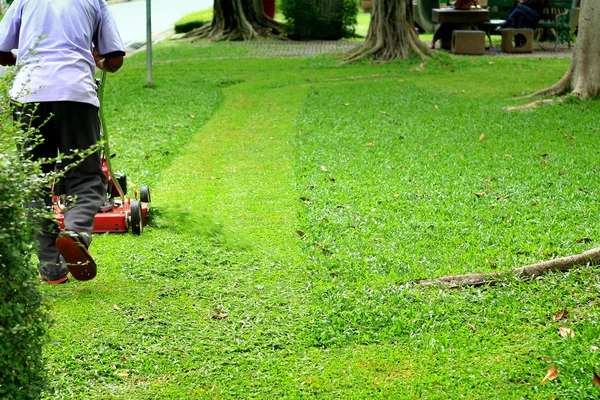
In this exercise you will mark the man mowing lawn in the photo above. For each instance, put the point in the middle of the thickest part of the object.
(55, 91)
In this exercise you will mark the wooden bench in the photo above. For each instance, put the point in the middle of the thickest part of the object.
(560, 15)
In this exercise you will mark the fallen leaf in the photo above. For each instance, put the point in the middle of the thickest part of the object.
(219, 316)
(299, 132)
(551, 375)
(300, 233)
(396, 195)
(383, 112)
(325, 220)
(123, 358)
(482, 137)
(560, 314)
(566, 332)
(584, 240)
(116, 307)
(323, 168)
(491, 63)
(325, 250)
(370, 144)
(176, 125)
(346, 104)
(546, 359)
(192, 116)
(437, 108)
(596, 380)
(141, 317)
(508, 155)
(503, 197)
(594, 348)
(583, 190)
(124, 374)
(479, 194)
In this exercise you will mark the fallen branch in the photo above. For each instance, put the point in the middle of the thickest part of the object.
(527, 272)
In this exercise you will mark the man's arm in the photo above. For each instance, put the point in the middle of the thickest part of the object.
(108, 62)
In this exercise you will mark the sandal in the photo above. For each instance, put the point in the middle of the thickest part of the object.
(64, 279)
(79, 261)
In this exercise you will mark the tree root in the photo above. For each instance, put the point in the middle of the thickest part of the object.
(523, 273)
(533, 104)
(560, 87)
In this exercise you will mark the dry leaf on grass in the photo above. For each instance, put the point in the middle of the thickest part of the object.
(482, 137)
(597, 380)
(323, 168)
(551, 375)
(116, 307)
(566, 332)
(559, 315)
(300, 233)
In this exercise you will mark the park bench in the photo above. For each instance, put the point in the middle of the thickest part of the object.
(560, 15)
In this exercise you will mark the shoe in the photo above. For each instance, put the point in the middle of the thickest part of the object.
(64, 279)
(79, 261)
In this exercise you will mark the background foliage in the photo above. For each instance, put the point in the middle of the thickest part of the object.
(320, 19)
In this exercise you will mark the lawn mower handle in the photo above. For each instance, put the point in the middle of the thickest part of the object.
(104, 134)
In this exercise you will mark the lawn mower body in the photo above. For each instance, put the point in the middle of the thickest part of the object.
(118, 213)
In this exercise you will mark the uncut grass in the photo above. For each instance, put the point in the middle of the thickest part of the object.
(339, 325)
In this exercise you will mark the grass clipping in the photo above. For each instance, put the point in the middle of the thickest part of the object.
(527, 272)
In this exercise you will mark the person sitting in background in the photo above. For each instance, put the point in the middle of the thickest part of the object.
(524, 14)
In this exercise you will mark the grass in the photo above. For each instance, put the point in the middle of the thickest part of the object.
(300, 198)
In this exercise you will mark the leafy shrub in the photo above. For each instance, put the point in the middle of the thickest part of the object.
(22, 319)
(320, 19)
(194, 20)
(189, 26)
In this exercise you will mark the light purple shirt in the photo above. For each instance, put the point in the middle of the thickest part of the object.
(54, 39)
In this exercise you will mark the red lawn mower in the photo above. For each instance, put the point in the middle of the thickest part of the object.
(118, 213)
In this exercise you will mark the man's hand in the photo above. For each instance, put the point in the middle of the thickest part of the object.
(111, 64)
(8, 58)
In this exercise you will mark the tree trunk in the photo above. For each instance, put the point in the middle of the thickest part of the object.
(391, 34)
(238, 20)
(583, 76)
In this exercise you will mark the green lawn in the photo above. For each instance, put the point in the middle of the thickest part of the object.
(296, 199)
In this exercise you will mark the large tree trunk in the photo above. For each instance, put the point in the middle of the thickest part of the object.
(583, 76)
(391, 34)
(238, 20)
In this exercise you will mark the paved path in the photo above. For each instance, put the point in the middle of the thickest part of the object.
(131, 16)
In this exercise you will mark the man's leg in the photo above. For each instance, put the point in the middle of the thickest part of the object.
(78, 128)
(50, 266)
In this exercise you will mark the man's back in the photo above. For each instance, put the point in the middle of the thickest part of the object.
(54, 40)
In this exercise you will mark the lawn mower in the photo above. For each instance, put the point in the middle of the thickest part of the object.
(118, 213)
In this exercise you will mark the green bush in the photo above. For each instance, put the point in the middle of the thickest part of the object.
(194, 20)
(320, 19)
(22, 319)
(189, 26)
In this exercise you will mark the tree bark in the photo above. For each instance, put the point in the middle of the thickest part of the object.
(528, 272)
(391, 33)
(238, 20)
(583, 76)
